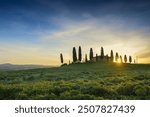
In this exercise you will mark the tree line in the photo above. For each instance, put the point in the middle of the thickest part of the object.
(107, 58)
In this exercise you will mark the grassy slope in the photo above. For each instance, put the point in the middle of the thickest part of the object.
(78, 81)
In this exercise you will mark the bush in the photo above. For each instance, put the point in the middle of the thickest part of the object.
(126, 89)
(96, 90)
(9, 92)
(142, 91)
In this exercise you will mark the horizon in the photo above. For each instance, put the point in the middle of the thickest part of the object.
(36, 31)
(67, 64)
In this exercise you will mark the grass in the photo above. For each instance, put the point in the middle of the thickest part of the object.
(78, 81)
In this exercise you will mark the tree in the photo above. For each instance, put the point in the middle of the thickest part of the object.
(125, 58)
(120, 59)
(74, 54)
(96, 58)
(117, 57)
(107, 58)
(69, 62)
(111, 56)
(102, 52)
(86, 58)
(91, 53)
(61, 58)
(80, 54)
(130, 59)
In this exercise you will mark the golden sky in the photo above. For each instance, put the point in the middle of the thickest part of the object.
(37, 31)
(85, 34)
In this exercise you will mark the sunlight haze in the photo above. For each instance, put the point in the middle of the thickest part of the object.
(37, 31)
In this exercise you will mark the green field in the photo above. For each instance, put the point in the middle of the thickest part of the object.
(78, 81)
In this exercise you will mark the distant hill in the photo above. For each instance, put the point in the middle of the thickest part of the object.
(8, 66)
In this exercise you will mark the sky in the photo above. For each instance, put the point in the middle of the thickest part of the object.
(37, 31)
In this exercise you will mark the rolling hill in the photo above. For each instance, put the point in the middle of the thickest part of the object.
(8, 66)
(78, 81)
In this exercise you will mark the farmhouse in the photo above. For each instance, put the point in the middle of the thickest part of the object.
(101, 58)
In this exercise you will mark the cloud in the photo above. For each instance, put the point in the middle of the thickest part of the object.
(145, 55)
(122, 26)
(88, 33)
(95, 33)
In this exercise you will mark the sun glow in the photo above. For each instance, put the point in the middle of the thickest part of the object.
(119, 61)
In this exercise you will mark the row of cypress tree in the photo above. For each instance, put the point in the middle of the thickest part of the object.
(111, 58)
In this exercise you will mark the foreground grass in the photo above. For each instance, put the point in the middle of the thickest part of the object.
(78, 81)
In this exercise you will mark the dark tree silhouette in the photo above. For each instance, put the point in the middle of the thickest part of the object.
(130, 59)
(80, 54)
(102, 52)
(61, 58)
(86, 58)
(117, 57)
(91, 53)
(74, 54)
(111, 56)
(125, 58)
(120, 59)
(96, 58)
(107, 58)
(69, 62)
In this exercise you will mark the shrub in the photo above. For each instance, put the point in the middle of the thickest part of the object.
(9, 92)
(95, 90)
(142, 91)
(126, 89)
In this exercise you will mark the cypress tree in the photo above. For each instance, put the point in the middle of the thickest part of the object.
(91, 53)
(117, 57)
(96, 58)
(125, 58)
(61, 58)
(102, 52)
(130, 59)
(111, 56)
(120, 59)
(107, 58)
(69, 62)
(86, 58)
(80, 54)
(74, 54)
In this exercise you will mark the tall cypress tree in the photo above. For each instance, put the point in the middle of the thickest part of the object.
(96, 58)
(91, 53)
(74, 54)
(61, 58)
(107, 58)
(117, 57)
(125, 58)
(86, 58)
(130, 59)
(102, 53)
(80, 54)
(111, 56)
